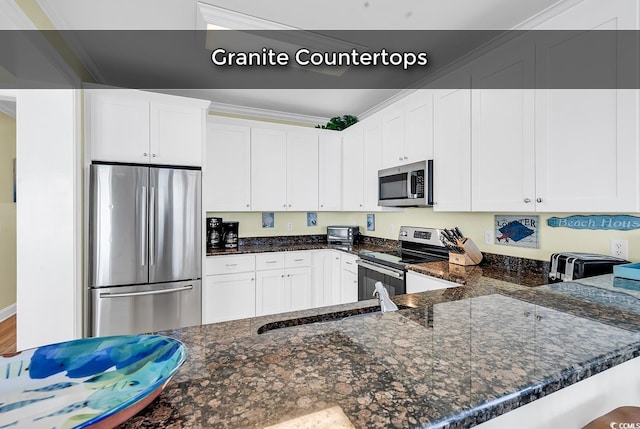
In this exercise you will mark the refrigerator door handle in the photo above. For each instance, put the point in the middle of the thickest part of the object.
(150, 292)
(143, 230)
(152, 227)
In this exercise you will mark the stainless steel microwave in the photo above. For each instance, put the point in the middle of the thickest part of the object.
(409, 185)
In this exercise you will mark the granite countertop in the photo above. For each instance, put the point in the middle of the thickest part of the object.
(454, 358)
(514, 270)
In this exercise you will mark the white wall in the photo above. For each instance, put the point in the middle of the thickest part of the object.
(49, 257)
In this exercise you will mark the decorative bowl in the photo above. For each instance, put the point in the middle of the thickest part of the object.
(90, 382)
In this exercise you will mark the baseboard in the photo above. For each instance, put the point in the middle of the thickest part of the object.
(7, 312)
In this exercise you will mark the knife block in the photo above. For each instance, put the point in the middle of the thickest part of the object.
(471, 256)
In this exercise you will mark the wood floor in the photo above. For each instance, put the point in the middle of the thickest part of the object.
(8, 335)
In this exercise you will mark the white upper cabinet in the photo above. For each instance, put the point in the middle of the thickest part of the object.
(302, 171)
(176, 134)
(330, 170)
(284, 170)
(372, 157)
(118, 126)
(268, 170)
(227, 174)
(452, 146)
(407, 134)
(586, 139)
(353, 168)
(418, 129)
(138, 127)
(393, 136)
(503, 156)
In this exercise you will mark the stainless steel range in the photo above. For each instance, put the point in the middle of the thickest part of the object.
(417, 245)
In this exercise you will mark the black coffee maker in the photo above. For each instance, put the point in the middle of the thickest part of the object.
(230, 234)
(214, 233)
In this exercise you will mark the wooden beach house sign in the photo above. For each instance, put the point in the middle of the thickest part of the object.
(617, 222)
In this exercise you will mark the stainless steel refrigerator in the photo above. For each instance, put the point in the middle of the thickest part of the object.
(145, 249)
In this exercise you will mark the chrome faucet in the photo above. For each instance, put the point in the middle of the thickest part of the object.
(386, 304)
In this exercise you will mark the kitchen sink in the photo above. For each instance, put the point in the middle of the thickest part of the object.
(323, 318)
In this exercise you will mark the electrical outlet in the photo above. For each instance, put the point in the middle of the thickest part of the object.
(390, 228)
(488, 237)
(290, 226)
(620, 248)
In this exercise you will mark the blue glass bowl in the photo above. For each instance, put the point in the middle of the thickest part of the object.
(98, 382)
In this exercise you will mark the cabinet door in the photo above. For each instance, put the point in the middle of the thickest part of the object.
(372, 156)
(393, 123)
(268, 170)
(452, 149)
(586, 139)
(352, 169)
(502, 137)
(227, 174)
(349, 279)
(228, 297)
(270, 292)
(176, 134)
(118, 127)
(418, 126)
(302, 171)
(299, 288)
(330, 171)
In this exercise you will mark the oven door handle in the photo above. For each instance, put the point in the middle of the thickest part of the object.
(382, 270)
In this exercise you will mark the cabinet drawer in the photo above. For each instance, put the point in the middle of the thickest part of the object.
(230, 264)
(270, 261)
(297, 259)
(349, 263)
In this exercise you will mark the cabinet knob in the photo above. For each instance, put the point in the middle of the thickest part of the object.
(154, 155)
(289, 205)
(284, 205)
(360, 205)
(252, 279)
(247, 205)
(399, 158)
(527, 200)
(406, 157)
(282, 276)
(538, 200)
(321, 205)
(145, 154)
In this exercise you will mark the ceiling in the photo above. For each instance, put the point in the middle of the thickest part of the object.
(325, 15)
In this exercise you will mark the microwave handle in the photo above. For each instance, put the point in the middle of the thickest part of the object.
(411, 184)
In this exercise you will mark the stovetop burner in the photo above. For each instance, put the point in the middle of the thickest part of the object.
(419, 245)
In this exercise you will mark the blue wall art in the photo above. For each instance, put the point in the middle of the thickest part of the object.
(371, 222)
(312, 219)
(268, 220)
(520, 231)
(617, 222)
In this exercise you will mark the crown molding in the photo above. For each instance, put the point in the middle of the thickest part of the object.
(15, 16)
(8, 107)
(255, 112)
(546, 14)
(71, 39)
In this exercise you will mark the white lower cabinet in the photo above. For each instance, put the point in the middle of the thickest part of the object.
(228, 297)
(421, 283)
(286, 287)
(229, 288)
(348, 279)
(239, 286)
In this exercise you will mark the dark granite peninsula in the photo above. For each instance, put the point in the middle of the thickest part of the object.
(455, 358)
